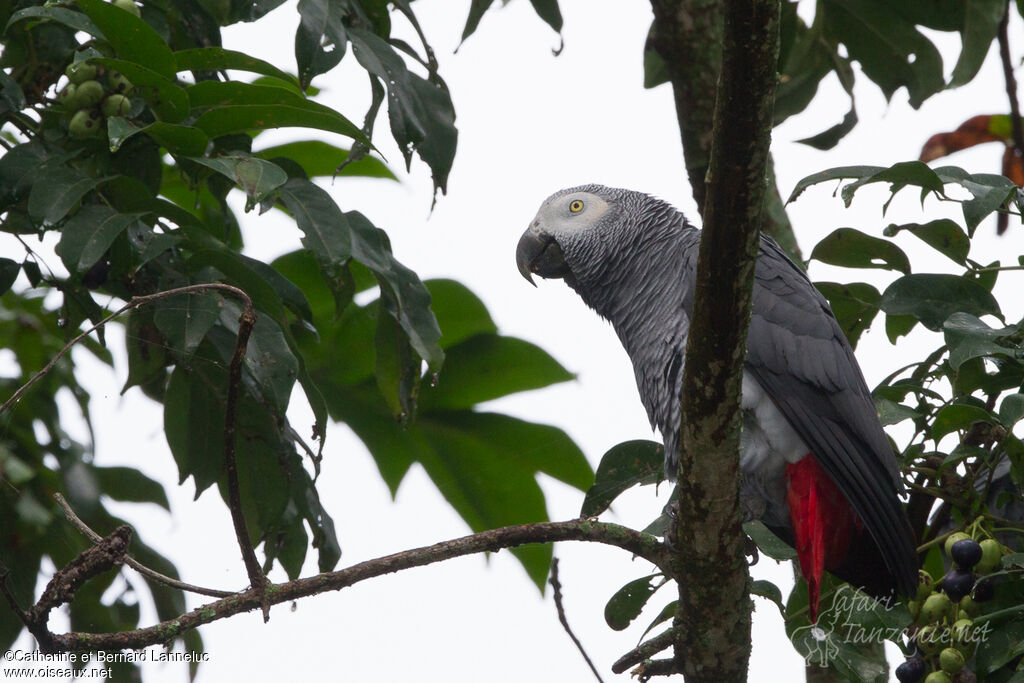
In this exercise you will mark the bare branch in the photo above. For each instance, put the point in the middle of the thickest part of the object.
(655, 667)
(556, 588)
(642, 545)
(132, 562)
(644, 651)
(245, 325)
(257, 578)
(92, 561)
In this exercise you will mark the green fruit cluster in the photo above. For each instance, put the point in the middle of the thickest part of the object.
(91, 96)
(943, 611)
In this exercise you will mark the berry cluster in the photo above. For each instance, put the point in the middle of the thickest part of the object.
(93, 95)
(946, 636)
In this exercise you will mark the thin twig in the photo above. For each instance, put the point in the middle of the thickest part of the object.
(643, 545)
(257, 578)
(134, 303)
(1011, 85)
(132, 562)
(556, 588)
(12, 602)
(245, 325)
(1011, 91)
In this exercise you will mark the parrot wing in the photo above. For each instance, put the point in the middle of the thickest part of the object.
(798, 353)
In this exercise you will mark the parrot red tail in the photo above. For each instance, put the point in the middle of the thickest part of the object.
(823, 523)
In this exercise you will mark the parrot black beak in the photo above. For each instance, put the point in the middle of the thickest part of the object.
(539, 253)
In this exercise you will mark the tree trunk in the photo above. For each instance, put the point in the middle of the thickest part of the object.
(713, 614)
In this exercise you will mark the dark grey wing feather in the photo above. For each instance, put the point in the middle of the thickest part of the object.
(798, 353)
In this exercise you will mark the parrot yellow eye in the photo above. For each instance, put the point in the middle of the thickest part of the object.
(575, 206)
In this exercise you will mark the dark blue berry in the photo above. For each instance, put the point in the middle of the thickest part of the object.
(957, 583)
(966, 553)
(910, 671)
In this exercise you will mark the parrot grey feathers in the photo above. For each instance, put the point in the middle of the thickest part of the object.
(632, 258)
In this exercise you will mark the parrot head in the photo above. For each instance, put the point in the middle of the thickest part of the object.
(567, 235)
(591, 235)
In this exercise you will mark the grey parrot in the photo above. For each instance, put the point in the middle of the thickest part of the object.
(817, 468)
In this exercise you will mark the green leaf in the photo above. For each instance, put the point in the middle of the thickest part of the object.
(830, 137)
(56, 192)
(958, 417)
(219, 59)
(1001, 646)
(147, 352)
(184, 320)
(131, 37)
(889, 48)
(899, 175)
(840, 173)
(484, 464)
(291, 552)
(300, 268)
(667, 613)
(268, 358)
(854, 305)
(234, 107)
(969, 337)
(325, 229)
(320, 39)
(420, 111)
(847, 620)
(488, 366)
(8, 273)
(978, 32)
(767, 589)
(655, 72)
(263, 486)
(990, 193)
(538, 448)
(854, 249)
(129, 485)
(194, 422)
(549, 12)
(897, 326)
(256, 177)
(476, 12)
(168, 100)
(767, 542)
(623, 466)
(629, 601)
(932, 298)
(319, 158)
(409, 302)
(71, 18)
(890, 412)
(943, 235)
(1011, 410)
(397, 369)
(460, 313)
(88, 235)
(483, 479)
(176, 139)
(11, 96)
(269, 290)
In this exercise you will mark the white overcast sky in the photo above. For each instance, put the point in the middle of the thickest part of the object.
(529, 124)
